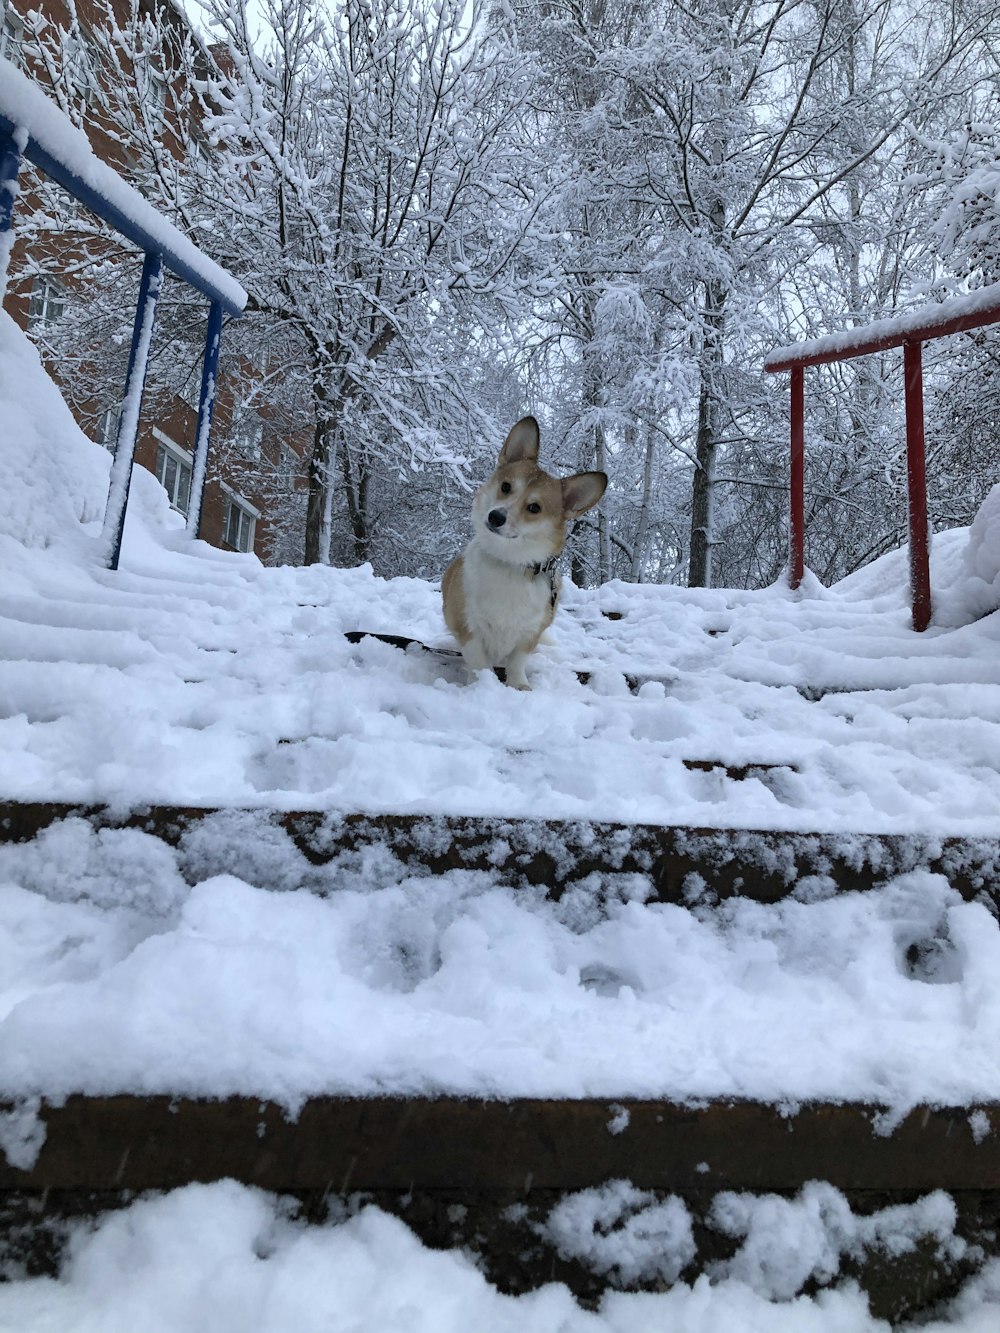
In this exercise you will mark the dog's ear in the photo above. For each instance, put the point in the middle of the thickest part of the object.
(582, 492)
(521, 445)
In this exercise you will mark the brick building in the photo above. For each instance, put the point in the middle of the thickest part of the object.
(255, 467)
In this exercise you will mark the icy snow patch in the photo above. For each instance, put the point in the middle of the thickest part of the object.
(22, 1133)
(623, 1231)
(788, 1241)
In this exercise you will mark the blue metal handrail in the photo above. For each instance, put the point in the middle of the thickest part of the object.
(167, 248)
(116, 217)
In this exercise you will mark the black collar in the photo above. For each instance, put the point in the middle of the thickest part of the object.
(537, 567)
(546, 567)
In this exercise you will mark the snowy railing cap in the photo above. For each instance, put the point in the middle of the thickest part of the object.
(958, 314)
(63, 152)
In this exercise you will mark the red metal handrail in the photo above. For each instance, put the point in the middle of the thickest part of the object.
(960, 314)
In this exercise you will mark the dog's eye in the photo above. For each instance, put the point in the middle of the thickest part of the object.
(505, 488)
(534, 508)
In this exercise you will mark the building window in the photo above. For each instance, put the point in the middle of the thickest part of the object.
(11, 36)
(107, 426)
(153, 92)
(174, 475)
(239, 529)
(288, 466)
(156, 102)
(199, 155)
(48, 301)
(190, 390)
(248, 436)
(80, 59)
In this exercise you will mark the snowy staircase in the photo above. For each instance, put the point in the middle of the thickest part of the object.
(484, 1174)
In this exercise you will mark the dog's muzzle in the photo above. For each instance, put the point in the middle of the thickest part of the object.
(496, 518)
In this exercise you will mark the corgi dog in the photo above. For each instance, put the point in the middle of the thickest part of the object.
(500, 594)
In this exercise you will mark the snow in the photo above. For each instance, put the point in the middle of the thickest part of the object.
(225, 1258)
(619, 1229)
(24, 104)
(119, 977)
(977, 591)
(231, 964)
(22, 1133)
(50, 493)
(787, 1242)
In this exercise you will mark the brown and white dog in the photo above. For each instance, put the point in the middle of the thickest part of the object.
(500, 595)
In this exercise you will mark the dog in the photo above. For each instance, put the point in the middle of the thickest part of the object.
(500, 594)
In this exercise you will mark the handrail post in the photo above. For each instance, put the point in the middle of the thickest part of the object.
(128, 424)
(63, 153)
(206, 405)
(10, 165)
(796, 499)
(916, 480)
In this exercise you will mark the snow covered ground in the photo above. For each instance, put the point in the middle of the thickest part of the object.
(196, 677)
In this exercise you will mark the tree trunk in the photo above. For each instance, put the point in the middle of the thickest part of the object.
(317, 536)
(603, 535)
(356, 490)
(319, 485)
(642, 530)
(360, 522)
(707, 441)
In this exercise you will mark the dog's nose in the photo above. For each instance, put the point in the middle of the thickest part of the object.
(496, 518)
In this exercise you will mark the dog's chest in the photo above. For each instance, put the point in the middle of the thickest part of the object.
(505, 605)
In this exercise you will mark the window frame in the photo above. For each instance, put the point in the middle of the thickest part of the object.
(107, 426)
(169, 452)
(46, 291)
(11, 36)
(246, 522)
(247, 436)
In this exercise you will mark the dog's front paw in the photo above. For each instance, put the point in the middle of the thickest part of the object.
(475, 656)
(515, 671)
